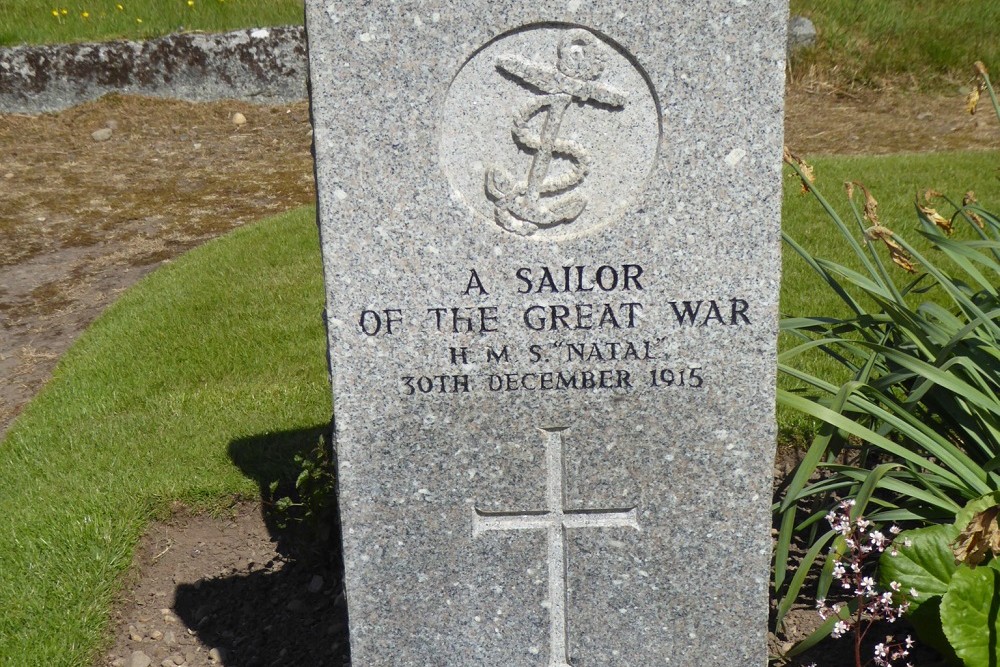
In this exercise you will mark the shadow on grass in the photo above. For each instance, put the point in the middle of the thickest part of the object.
(291, 612)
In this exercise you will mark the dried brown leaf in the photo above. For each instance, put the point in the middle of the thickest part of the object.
(980, 537)
(898, 255)
(804, 167)
(871, 204)
(968, 200)
(942, 222)
(979, 85)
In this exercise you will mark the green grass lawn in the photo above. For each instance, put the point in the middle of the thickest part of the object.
(53, 21)
(928, 43)
(221, 348)
(158, 399)
(894, 180)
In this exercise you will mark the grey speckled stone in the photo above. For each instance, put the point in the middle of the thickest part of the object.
(265, 65)
(801, 33)
(551, 242)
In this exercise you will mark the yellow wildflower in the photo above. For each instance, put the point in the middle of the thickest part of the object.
(85, 15)
(972, 100)
(120, 8)
(138, 20)
(978, 86)
(64, 12)
(55, 12)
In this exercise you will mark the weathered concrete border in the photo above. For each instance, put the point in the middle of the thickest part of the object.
(265, 65)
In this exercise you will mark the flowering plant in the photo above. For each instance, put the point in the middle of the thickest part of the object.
(919, 403)
(852, 567)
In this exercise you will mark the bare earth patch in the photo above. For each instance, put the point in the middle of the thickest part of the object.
(820, 120)
(82, 219)
(216, 590)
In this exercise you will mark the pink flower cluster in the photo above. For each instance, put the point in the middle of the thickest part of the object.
(863, 541)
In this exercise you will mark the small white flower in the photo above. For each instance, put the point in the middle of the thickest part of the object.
(878, 540)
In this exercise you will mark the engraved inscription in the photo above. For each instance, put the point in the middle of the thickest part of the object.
(543, 199)
(556, 329)
(555, 519)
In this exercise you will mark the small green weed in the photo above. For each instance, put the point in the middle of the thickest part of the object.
(309, 504)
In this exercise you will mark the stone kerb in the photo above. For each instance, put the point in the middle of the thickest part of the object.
(265, 65)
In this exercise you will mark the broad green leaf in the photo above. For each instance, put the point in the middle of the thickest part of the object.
(970, 615)
(926, 620)
(927, 565)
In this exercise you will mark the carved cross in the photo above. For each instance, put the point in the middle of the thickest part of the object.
(555, 519)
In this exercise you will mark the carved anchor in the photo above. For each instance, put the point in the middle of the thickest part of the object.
(525, 206)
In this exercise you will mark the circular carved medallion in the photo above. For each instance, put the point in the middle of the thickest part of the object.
(550, 131)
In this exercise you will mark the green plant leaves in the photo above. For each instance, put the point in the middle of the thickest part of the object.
(911, 426)
(964, 516)
(927, 622)
(956, 608)
(970, 616)
(926, 565)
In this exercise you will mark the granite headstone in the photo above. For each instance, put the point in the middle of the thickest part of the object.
(551, 241)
